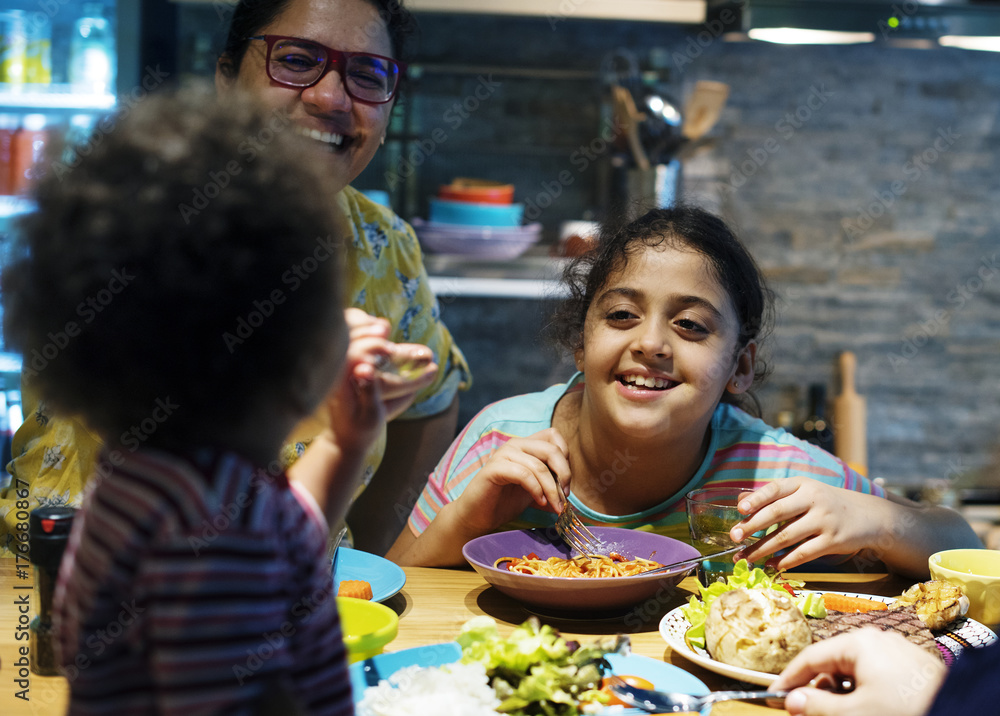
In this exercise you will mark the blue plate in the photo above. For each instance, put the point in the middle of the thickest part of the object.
(664, 677)
(386, 577)
(370, 671)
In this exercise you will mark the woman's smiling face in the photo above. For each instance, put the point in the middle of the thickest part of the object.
(659, 347)
(349, 131)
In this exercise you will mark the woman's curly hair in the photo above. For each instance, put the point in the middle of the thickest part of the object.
(162, 264)
(681, 227)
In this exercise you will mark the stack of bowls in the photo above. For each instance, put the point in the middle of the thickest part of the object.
(477, 217)
(476, 202)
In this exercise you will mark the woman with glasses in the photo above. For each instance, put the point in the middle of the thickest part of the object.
(330, 70)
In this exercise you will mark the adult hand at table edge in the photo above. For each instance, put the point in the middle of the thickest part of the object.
(891, 676)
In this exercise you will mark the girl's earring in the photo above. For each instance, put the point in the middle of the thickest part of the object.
(383, 139)
(736, 385)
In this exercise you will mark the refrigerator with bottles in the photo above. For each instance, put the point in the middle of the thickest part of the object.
(64, 65)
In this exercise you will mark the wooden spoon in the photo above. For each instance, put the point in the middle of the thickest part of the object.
(703, 107)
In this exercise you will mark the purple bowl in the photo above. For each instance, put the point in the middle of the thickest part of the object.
(580, 594)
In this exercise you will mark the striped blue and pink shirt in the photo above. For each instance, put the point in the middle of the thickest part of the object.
(744, 452)
(199, 585)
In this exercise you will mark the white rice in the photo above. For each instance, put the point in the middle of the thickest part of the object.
(450, 690)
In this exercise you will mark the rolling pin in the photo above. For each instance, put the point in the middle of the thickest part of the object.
(850, 420)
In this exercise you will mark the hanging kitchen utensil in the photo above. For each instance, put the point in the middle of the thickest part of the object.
(703, 108)
(662, 127)
(629, 117)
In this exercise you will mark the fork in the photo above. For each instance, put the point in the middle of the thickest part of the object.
(574, 533)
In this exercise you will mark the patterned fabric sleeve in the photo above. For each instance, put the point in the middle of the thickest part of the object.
(52, 458)
(387, 278)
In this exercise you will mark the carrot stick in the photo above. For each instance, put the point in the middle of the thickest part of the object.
(355, 588)
(842, 603)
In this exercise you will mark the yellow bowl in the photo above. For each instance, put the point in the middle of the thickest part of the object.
(367, 626)
(977, 573)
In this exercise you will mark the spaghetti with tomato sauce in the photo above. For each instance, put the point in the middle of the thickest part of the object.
(612, 565)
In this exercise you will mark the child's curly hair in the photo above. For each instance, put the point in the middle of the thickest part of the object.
(189, 256)
(682, 227)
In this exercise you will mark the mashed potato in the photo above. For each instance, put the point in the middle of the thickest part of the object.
(759, 629)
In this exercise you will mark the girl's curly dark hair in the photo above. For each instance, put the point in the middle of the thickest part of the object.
(683, 227)
(189, 255)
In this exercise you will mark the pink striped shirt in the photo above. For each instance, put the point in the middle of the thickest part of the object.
(743, 452)
(199, 585)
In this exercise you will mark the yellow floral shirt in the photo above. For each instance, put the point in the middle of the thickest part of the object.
(54, 456)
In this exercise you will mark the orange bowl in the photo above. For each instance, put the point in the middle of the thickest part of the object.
(478, 191)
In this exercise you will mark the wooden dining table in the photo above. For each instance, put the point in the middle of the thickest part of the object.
(432, 606)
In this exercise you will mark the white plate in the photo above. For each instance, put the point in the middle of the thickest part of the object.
(963, 634)
(489, 242)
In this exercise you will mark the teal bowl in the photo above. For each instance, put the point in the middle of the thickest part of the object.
(464, 213)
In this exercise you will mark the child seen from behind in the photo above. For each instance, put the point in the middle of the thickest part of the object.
(196, 578)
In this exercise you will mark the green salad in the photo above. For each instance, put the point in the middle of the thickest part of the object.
(696, 611)
(535, 670)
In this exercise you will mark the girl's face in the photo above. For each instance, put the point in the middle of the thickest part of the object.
(659, 347)
(347, 131)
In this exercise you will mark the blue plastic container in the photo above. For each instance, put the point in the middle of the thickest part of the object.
(465, 213)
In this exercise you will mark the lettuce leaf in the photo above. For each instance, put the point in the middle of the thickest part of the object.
(743, 577)
(535, 670)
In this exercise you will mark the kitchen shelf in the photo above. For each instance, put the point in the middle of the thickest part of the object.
(680, 11)
(532, 275)
(56, 97)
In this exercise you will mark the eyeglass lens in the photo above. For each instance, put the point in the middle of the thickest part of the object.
(300, 63)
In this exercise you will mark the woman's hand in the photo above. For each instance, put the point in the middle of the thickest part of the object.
(891, 676)
(813, 520)
(401, 369)
(534, 469)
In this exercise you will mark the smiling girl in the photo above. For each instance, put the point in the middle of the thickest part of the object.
(663, 320)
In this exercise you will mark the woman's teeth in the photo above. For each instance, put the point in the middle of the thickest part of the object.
(335, 141)
(638, 381)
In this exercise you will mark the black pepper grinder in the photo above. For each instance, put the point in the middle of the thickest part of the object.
(48, 533)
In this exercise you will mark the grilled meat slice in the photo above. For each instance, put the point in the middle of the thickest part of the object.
(903, 621)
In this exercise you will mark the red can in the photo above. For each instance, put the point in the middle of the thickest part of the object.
(27, 150)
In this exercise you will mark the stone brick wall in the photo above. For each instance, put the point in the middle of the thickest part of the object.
(863, 179)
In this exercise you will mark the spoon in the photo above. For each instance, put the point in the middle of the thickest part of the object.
(664, 702)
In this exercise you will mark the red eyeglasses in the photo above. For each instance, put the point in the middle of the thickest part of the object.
(297, 63)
